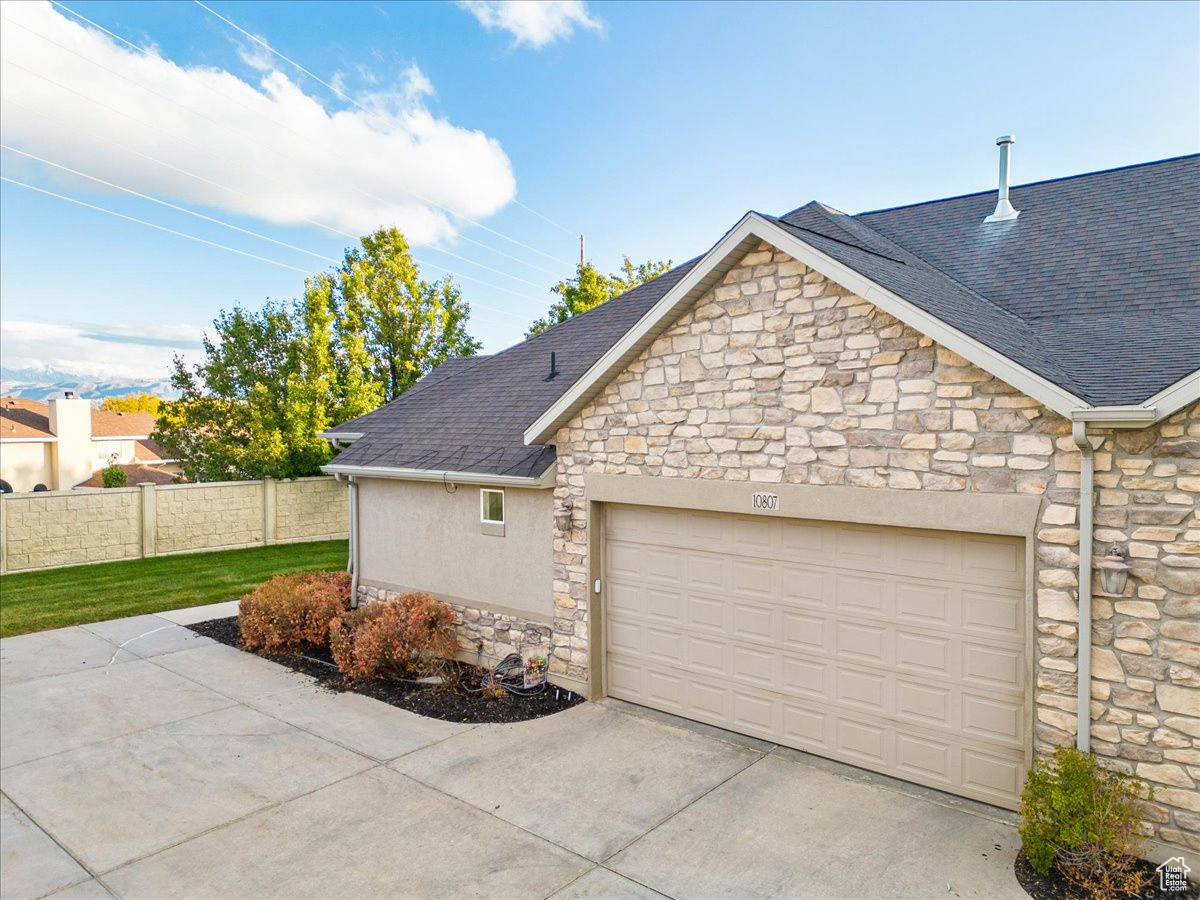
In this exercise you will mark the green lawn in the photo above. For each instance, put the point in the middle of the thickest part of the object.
(35, 601)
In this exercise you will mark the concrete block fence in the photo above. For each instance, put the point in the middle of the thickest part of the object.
(67, 528)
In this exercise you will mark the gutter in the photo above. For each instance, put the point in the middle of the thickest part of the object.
(545, 480)
(338, 438)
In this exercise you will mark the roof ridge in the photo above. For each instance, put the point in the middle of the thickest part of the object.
(1017, 187)
(1022, 325)
(824, 208)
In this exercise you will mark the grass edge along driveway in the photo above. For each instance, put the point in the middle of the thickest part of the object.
(54, 598)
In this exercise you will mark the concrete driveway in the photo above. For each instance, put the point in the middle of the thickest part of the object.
(140, 760)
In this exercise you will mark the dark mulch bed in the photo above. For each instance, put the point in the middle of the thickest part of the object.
(1055, 887)
(435, 701)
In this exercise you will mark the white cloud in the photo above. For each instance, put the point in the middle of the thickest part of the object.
(104, 352)
(277, 153)
(533, 22)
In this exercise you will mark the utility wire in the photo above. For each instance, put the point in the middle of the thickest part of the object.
(146, 156)
(200, 240)
(144, 51)
(530, 209)
(365, 193)
(190, 237)
(424, 263)
(171, 100)
(182, 209)
(349, 99)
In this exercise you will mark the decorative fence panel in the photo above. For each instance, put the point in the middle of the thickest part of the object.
(66, 528)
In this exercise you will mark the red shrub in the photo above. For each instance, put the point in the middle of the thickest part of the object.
(291, 612)
(398, 638)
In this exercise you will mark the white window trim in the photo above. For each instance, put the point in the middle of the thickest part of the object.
(482, 510)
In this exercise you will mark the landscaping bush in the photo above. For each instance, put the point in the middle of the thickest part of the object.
(398, 638)
(291, 612)
(1082, 819)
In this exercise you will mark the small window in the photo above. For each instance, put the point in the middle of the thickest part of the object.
(491, 507)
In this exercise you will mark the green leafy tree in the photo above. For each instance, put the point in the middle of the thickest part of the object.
(590, 287)
(271, 380)
(409, 326)
(139, 402)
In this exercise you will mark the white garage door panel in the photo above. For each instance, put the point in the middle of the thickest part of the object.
(902, 651)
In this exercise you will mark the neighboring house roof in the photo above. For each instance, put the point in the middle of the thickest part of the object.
(1090, 299)
(148, 451)
(21, 418)
(106, 424)
(24, 420)
(135, 474)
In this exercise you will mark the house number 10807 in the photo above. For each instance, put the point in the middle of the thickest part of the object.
(762, 500)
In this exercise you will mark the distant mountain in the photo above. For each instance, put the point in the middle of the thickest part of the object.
(42, 384)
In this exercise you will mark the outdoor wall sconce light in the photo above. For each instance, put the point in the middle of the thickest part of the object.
(1114, 571)
(563, 516)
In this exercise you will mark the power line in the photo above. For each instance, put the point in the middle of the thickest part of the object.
(190, 237)
(209, 243)
(421, 262)
(161, 131)
(530, 209)
(350, 99)
(273, 121)
(182, 209)
(367, 194)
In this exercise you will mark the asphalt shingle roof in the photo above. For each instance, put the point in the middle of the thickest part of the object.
(1095, 287)
(470, 415)
(1104, 269)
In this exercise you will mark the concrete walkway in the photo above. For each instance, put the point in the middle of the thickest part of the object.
(138, 759)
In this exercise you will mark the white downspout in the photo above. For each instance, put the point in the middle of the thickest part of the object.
(352, 562)
(1083, 700)
(353, 540)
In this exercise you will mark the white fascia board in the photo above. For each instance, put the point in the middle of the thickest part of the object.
(1174, 398)
(347, 436)
(29, 440)
(545, 480)
(106, 438)
(753, 225)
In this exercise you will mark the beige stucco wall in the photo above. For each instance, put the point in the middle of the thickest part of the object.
(64, 528)
(24, 465)
(779, 377)
(418, 536)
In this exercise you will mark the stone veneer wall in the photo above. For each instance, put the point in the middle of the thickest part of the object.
(779, 375)
(480, 631)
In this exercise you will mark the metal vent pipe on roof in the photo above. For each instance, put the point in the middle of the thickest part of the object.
(1004, 210)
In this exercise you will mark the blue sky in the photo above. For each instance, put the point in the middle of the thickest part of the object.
(650, 127)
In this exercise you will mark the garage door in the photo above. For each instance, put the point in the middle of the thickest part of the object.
(897, 650)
